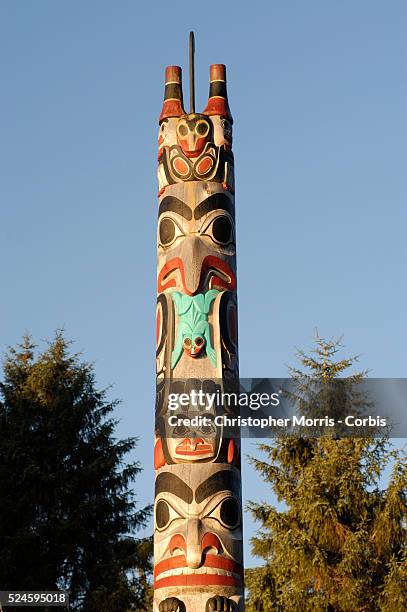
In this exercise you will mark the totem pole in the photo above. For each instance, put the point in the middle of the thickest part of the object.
(198, 512)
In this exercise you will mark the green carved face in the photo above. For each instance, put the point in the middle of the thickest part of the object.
(193, 344)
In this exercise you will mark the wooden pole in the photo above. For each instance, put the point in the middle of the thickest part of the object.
(198, 545)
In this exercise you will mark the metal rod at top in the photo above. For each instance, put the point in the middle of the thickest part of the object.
(192, 72)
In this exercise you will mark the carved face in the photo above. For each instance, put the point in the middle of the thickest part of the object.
(185, 443)
(193, 132)
(196, 240)
(194, 345)
(198, 440)
(198, 527)
(195, 148)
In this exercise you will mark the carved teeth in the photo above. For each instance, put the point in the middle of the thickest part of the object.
(201, 570)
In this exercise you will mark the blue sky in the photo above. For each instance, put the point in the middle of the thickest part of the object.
(318, 91)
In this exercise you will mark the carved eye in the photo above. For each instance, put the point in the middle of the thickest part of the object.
(199, 341)
(164, 514)
(169, 231)
(220, 230)
(207, 430)
(202, 128)
(187, 342)
(182, 130)
(180, 431)
(227, 513)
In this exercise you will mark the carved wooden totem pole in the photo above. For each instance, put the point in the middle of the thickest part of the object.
(198, 512)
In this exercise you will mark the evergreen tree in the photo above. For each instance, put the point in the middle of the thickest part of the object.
(67, 512)
(339, 542)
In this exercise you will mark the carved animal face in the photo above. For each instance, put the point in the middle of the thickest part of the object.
(186, 443)
(198, 527)
(193, 132)
(194, 345)
(196, 240)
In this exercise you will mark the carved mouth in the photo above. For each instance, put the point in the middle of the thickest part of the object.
(194, 355)
(216, 570)
(199, 147)
(188, 449)
(193, 153)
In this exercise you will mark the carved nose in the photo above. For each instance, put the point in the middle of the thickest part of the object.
(191, 253)
(191, 141)
(194, 550)
(195, 442)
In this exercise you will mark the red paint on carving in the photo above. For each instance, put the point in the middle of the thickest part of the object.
(222, 563)
(177, 541)
(204, 165)
(217, 106)
(198, 580)
(158, 326)
(210, 264)
(214, 561)
(170, 266)
(214, 263)
(199, 146)
(170, 564)
(171, 108)
(195, 352)
(217, 72)
(210, 540)
(159, 459)
(194, 446)
(181, 166)
(231, 452)
(173, 74)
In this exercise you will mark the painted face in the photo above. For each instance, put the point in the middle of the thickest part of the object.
(194, 443)
(198, 527)
(187, 443)
(195, 147)
(196, 240)
(193, 132)
(193, 346)
(182, 442)
(197, 445)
